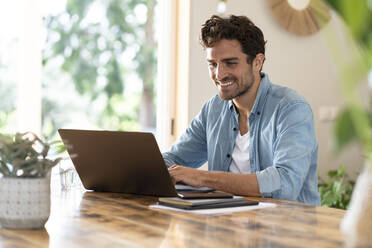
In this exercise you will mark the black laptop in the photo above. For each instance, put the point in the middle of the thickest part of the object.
(113, 161)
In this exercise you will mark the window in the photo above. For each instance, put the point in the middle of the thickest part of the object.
(99, 63)
(18, 71)
(83, 64)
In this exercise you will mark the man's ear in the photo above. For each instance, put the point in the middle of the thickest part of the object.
(258, 62)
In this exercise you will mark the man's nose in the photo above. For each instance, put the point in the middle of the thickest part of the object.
(220, 72)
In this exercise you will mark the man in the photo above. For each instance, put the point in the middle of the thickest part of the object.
(257, 137)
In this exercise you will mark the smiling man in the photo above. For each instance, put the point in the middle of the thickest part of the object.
(257, 137)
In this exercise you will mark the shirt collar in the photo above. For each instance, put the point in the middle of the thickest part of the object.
(260, 97)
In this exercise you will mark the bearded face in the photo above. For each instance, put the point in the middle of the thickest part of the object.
(229, 69)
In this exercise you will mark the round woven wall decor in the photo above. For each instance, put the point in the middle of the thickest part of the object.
(305, 19)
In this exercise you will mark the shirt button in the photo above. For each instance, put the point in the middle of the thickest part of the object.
(234, 128)
(228, 155)
(258, 113)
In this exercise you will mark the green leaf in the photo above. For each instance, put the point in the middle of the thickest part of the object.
(336, 191)
(344, 130)
(19, 157)
(341, 171)
(337, 187)
(332, 173)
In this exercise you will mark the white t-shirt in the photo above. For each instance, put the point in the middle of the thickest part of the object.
(240, 162)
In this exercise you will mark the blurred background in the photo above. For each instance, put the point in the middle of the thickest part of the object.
(138, 65)
(98, 65)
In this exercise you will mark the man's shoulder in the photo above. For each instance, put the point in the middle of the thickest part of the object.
(216, 102)
(284, 96)
(215, 106)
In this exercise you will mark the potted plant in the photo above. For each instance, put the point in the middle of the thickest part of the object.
(25, 180)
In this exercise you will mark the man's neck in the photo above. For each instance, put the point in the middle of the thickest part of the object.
(245, 102)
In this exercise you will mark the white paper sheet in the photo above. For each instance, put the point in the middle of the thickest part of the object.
(217, 210)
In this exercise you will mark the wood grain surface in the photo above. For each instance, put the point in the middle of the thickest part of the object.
(110, 220)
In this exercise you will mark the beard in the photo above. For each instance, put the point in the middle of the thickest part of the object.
(240, 88)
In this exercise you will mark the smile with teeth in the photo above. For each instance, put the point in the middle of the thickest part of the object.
(226, 84)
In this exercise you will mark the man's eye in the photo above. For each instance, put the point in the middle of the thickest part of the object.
(231, 63)
(212, 65)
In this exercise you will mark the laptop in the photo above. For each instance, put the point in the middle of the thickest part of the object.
(123, 162)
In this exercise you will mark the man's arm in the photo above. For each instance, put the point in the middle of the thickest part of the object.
(191, 148)
(237, 184)
(294, 150)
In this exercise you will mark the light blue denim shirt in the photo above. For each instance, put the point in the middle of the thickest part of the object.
(283, 150)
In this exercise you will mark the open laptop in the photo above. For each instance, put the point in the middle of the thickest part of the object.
(112, 161)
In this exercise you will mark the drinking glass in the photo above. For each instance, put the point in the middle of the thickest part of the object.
(68, 175)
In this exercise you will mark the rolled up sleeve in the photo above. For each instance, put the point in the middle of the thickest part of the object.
(271, 175)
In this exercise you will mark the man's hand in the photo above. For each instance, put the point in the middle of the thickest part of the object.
(189, 176)
(237, 184)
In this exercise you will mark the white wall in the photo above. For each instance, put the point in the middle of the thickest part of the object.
(301, 63)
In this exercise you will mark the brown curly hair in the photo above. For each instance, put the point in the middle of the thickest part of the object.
(239, 28)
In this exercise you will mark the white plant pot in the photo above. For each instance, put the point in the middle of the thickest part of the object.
(357, 222)
(24, 202)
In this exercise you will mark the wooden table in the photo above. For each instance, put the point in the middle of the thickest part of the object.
(89, 219)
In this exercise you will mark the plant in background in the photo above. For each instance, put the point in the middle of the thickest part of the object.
(354, 123)
(100, 54)
(336, 191)
(25, 155)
